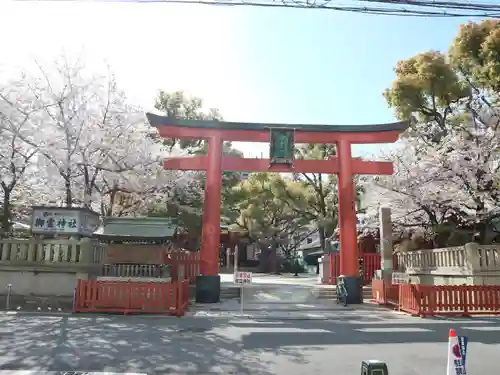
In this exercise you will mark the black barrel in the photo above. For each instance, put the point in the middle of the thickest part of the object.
(354, 288)
(207, 288)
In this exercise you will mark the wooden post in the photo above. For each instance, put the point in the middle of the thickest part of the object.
(347, 213)
(211, 212)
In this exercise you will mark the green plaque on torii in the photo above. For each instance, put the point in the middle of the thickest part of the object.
(281, 146)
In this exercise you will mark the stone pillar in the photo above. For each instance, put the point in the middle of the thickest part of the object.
(86, 251)
(236, 258)
(324, 269)
(228, 258)
(386, 249)
(472, 261)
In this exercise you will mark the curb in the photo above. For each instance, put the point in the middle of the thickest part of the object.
(34, 313)
(262, 317)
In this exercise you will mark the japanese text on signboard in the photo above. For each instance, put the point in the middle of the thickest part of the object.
(242, 278)
(281, 146)
(55, 221)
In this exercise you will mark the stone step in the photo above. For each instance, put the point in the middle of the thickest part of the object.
(225, 292)
(229, 293)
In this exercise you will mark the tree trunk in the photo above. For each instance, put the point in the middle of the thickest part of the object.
(322, 238)
(6, 214)
(87, 198)
(264, 258)
(69, 193)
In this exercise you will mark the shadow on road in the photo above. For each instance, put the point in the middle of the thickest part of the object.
(124, 344)
(190, 345)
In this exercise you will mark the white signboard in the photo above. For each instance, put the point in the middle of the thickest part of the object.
(61, 221)
(242, 278)
(50, 220)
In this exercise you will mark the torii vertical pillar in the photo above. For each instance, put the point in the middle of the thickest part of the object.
(349, 266)
(208, 282)
(210, 237)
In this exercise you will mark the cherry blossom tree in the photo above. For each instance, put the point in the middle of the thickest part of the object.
(90, 138)
(21, 182)
(418, 192)
(447, 170)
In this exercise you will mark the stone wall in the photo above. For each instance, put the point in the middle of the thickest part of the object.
(471, 264)
(36, 267)
(41, 281)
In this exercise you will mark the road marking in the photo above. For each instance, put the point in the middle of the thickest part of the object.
(279, 330)
(389, 329)
(484, 329)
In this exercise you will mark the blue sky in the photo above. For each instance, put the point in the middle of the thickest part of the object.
(254, 64)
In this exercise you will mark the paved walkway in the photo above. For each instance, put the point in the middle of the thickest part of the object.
(278, 310)
(277, 297)
(263, 278)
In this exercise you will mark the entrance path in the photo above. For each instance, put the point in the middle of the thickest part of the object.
(263, 278)
(278, 297)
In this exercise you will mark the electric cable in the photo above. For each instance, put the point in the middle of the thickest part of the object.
(414, 8)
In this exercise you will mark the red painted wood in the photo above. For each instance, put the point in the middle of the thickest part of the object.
(132, 296)
(187, 163)
(349, 265)
(234, 163)
(446, 300)
(409, 300)
(210, 235)
(371, 262)
(378, 292)
(214, 163)
(172, 131)
(360, 166)
(184, 265)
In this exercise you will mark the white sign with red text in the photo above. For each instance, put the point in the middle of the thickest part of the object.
(242, 278)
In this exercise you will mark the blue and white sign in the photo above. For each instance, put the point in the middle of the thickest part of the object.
(457, 354)
(463, 341)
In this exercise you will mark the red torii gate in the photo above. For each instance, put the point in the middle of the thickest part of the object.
(214, 163)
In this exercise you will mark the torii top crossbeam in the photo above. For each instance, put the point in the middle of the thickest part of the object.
(214, 163)
(259, 132)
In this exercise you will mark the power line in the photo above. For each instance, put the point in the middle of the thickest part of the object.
(414, 8)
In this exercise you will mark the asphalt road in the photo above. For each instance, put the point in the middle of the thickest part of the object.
(159, 345)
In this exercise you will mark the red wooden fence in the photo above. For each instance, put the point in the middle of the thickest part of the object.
(185, 265)
(378, 292)
(132, 297)
(371, 263)
(428, 300)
